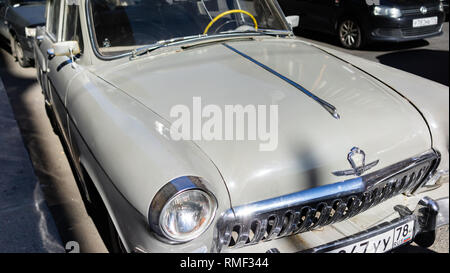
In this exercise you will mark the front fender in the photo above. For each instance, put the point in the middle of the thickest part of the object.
(132, 144)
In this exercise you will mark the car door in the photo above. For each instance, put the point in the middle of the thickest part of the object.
(59, 69)
(40, 58)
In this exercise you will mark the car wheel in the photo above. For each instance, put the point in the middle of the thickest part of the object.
(23, 61)
(350, 34)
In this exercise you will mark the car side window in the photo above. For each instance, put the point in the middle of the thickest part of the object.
(72, 25)
(53, 16)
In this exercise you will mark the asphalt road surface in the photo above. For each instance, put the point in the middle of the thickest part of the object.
(427, 58)
(48, 156)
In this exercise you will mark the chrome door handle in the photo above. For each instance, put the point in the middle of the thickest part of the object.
(39, 40)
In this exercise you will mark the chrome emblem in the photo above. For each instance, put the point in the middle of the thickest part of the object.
(424, 10)
(356, 170)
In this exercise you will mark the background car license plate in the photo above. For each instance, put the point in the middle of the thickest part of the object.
(425, 22)
(382, 242)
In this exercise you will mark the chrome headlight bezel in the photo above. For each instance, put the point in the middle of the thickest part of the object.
(387, 11)
(170, 192)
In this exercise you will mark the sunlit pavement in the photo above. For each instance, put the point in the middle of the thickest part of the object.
(426, 58)
(47, 155)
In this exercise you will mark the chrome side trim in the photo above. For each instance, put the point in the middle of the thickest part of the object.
(309, 209)
(329, 107)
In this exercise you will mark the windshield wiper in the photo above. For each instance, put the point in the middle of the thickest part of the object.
(149, 48)
(164, 43)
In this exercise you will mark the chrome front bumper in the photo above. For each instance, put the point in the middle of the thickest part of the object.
(307, 210)
(428, 216)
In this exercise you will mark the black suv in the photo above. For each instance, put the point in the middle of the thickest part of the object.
(18, 22)
(359, 21)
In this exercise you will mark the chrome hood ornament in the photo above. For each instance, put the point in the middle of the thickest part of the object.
(356, 170)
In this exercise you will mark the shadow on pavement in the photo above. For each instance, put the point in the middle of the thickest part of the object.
(430, 64)
(412, 249)
(55, 177)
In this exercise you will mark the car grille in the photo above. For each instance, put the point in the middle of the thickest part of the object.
(307, 210)
(411, 32)
(416, 11)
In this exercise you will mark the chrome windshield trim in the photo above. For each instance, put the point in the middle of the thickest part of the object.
(193, 40)
(316, 207)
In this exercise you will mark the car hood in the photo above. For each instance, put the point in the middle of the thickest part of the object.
(28, 15)
(311, 143)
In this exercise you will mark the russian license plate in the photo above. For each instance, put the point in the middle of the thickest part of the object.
(383, 242)
(430, 21)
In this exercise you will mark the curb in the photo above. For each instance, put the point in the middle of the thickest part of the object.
(26, 224)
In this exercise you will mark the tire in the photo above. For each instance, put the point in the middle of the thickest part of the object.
(350, 34)
(18, 52)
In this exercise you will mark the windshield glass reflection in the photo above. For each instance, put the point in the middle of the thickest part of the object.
(123, 25)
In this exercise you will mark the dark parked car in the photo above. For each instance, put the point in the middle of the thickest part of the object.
(445, 6)
(359, 21)
(18, 22)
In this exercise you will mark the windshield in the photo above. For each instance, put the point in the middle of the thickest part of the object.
(119, 26)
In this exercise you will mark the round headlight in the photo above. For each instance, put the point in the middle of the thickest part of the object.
(187, 215)
(182, 210)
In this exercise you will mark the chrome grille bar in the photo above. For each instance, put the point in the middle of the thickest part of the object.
(307, 210)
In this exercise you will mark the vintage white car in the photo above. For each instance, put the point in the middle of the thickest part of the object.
(353, 156)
